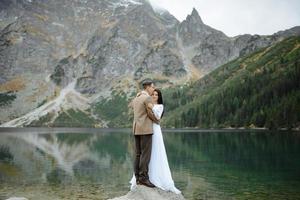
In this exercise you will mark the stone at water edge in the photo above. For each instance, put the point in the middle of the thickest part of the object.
(145, 193)
(17, 198)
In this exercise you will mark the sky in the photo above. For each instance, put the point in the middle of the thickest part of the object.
(235, 17)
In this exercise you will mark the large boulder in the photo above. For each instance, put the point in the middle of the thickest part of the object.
(145, 193)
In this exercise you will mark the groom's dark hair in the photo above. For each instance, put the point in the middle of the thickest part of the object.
(146, 82)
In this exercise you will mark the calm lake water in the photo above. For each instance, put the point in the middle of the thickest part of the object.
(97, 163)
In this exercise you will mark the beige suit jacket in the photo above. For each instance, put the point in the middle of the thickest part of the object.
(143, 116)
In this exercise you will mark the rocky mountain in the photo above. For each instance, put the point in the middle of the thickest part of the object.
(258, 90)
(61, 59)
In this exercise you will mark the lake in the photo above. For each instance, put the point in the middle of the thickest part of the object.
(51, 163)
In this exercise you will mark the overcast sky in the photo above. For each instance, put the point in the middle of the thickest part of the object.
(234, 17)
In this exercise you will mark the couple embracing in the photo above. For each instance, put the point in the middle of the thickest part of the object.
(151, 166)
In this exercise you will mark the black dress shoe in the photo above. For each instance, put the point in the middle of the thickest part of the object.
(146, 183)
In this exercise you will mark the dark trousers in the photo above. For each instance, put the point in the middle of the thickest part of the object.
(143, 145)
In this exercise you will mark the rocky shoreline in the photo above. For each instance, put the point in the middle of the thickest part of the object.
(138, 193)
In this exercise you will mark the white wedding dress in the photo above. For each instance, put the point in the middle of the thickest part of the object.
(159, 170)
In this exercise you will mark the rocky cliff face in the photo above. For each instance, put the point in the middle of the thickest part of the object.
(60, 55)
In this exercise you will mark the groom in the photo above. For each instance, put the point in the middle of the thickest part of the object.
(142, 129)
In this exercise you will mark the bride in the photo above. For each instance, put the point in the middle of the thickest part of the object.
(159, 170)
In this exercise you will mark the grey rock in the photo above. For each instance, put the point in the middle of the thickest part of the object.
(145, 193)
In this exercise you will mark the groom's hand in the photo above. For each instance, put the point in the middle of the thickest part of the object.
(149, 110)
(150, 105)
(151, 115)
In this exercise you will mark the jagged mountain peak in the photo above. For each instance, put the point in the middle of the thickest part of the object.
(194, 17)
(193, 31)
(194, 27)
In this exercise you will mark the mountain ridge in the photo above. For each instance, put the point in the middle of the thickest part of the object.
(257, 90)
(104, 46)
